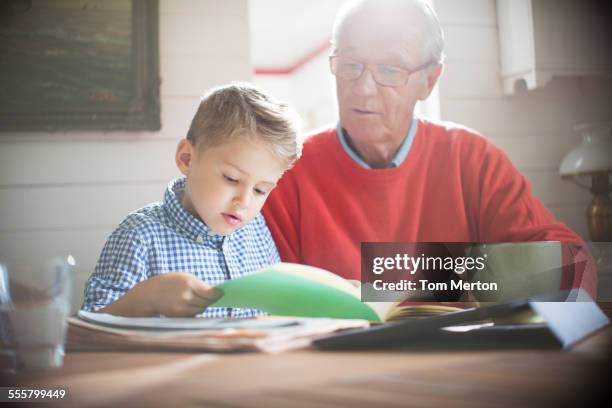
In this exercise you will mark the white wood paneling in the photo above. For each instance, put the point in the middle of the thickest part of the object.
(466, 12)
(471, 44)
(84, 244)
(524, 115)
(526, 152)
(552, 190)
(595, 105)
(68, 207)
(187, 34)
(486, 83)
(192, 75)
(205, 9)
(572, 215)
(83, 163)
(176, 115)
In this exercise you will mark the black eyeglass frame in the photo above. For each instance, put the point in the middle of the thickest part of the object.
(408, 72)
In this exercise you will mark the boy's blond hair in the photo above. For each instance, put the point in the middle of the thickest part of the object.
(240, 110)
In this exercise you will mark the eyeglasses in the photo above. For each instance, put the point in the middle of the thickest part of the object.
(384, 75)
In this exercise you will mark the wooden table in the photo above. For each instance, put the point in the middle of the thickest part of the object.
(508, 378)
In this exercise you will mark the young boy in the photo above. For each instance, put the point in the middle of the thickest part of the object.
(165, 258)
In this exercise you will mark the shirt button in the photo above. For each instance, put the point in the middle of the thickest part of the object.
(199, 239)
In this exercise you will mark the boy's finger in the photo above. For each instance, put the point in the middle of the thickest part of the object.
(205, 291)
(199, 301)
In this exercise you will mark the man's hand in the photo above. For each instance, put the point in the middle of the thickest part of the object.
(173, 294)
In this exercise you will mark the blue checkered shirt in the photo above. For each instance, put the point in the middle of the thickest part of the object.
(163, 237)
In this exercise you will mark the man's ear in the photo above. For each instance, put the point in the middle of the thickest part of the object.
(433, 74)
(185, 152)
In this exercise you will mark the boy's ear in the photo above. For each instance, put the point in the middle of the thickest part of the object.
(184, 155)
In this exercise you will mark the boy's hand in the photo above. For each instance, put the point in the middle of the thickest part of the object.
(179, 294)
(170, 294)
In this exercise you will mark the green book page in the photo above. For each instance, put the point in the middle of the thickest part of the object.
(287, 294)
(318, 275)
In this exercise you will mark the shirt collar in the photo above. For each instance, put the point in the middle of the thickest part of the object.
(397, 160)
(193, 228)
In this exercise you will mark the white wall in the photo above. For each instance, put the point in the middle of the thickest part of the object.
(283, 33)
(64, 192)
(534, 128)
(310, 90)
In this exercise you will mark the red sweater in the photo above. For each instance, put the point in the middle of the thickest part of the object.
(454, 186)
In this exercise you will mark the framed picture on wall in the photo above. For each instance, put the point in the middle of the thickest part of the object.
(79, 65)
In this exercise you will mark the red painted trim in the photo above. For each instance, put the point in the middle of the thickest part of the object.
(297, 64)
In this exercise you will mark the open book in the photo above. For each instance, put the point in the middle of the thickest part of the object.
(287, 289)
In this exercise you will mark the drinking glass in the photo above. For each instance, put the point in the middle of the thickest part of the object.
(34, 306)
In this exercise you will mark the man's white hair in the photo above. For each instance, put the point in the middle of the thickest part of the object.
(434, 36)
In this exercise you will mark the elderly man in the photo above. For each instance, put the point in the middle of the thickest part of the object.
(382, 175)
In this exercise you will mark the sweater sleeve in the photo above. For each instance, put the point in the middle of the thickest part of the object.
(507, 211)
(282, 214)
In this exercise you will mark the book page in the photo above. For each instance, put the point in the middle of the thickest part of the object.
(383, 309)
(181, 323)
(296, 290)
(318, 275)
